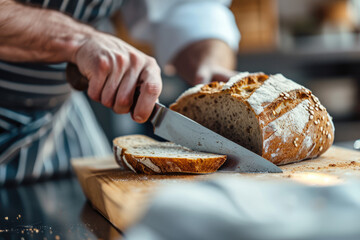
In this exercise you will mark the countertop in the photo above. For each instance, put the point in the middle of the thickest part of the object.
(55, 209)
(52, 209)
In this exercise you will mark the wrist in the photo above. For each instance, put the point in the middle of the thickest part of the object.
(74, 41)
(65, 38)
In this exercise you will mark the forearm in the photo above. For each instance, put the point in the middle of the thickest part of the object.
(33, 34)
(113, 68)
(209, 53)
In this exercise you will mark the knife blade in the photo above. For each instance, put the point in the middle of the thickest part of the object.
(181, 130)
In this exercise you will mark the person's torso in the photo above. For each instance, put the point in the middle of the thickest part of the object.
(84, 10)
(29, 86)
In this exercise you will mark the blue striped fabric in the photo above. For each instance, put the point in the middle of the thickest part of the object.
(43, 124)
(37, 144)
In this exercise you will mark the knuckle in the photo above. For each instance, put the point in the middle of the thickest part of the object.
(104, 64)
(119, 59)
(153, 64)
(136, 61)
(152, 61)
(152, 88)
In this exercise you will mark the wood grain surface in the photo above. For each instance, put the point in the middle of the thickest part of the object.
(122, 196)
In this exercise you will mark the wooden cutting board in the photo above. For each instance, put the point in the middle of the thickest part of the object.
(122, 196)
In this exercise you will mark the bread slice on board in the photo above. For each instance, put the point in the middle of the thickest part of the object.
(143, 154)
(270, 115)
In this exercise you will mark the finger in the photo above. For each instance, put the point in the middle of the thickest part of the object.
(223, 75)
(97, 75)
(113, 82)
(150, 90)
(202, 76)
(125, 93)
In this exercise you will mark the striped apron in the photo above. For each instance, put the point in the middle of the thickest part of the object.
(43, 123)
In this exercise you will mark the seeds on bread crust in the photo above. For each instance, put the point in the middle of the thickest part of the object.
(286, 119)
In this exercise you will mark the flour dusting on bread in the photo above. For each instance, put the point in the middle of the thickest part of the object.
(235, 79)
(142, 154)
(292, 122)
(191, 91)
(270, 115)
(127, 164)
(147, 162)
(270, 90)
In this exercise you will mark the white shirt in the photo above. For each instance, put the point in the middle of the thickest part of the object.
(172, 24)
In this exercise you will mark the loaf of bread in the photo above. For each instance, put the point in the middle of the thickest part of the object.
(142, 154)
(270, 115)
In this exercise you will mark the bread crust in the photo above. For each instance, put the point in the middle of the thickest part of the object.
(294, 125)
(160, 164)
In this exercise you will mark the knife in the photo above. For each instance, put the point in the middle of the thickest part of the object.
(181, 130)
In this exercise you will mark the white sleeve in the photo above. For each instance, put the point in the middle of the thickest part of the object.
(171, 25)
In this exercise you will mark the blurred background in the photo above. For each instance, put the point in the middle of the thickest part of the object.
(313, 42)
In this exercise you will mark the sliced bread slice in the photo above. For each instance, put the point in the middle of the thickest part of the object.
(142, 154)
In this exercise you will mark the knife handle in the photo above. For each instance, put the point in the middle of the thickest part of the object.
(75, 78)
(156, 115)
(81, 83)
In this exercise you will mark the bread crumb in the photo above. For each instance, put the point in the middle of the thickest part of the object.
(332, 165)
(6, 218)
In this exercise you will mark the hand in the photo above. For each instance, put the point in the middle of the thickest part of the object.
(114, 70)
(212, 72)
(205, 61)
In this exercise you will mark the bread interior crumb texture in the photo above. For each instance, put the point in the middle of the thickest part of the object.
(227, 116)
(168, 150)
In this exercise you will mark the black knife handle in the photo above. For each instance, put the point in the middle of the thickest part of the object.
(81, 83)
(75, 78)
(156, 114)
